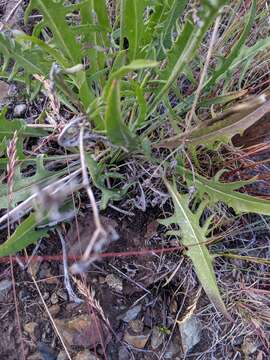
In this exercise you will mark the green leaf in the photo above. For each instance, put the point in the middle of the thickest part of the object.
(24, 235)
(226, 63)
(221, 131)
(174, 13)
(185, 47)
(54, 17)
(97, 174)
(216, 191)
(132, 25)
(23, 185)
(193, 237)
(8, 128)
(117, 131)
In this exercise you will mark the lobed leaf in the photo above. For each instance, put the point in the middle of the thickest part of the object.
(193, 237)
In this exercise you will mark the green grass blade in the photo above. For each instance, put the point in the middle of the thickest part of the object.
(225, 65)
(25, 235)
(132, 25)
(185, 48)
(117, 131)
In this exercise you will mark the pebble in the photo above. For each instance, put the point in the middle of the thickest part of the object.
(114, 282)
(46, 351)
(54, 309)
(19, 110)
(46, 295)
(172, 349)
(136, 326)
(62, 294)
(4, 90)
(138, 341)
(30, 327)
(86, 355)
(62, 355)
(156, 338)
(5, 286)
(123, 353)
(249, 346)
(54, 299)
(190, 331)
(132, 313)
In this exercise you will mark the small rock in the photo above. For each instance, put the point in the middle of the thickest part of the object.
(30, 327)
(46, 295)
(173, 348)
(114, 282)
(84, 330)
(249, 346)
(138, 341)
(46, 351)
(4, 90)
(54, 309)
(190, 331)
(132, 313)
(35, 356)
(156, 338)
(54, 299)
(24, 295)
(5, 285)
(62, 355)
(123, 353)
(19, 110)
(62, 294)
(86, 355)
(136, 326)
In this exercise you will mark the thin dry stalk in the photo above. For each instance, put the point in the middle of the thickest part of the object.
(12, 157)
(191, 114)
(99, 232)
(50, 316)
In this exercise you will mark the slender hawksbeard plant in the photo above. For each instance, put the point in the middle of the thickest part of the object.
(149, 84)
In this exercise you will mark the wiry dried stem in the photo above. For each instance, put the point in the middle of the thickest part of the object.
(99, 232)
(11, 155)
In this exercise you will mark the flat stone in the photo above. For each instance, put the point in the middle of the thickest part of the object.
(54, 309)
(156, 338)
(62, 355)
(136, 326)
(54, 299)
(30, 327)
(19, 110)
(190, 331)
(132, 313)
(138, 341)
(114, 282)
(5, 285)
(84, 330)
(86, 355)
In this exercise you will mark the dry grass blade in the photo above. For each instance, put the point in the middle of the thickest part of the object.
(89, 295)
